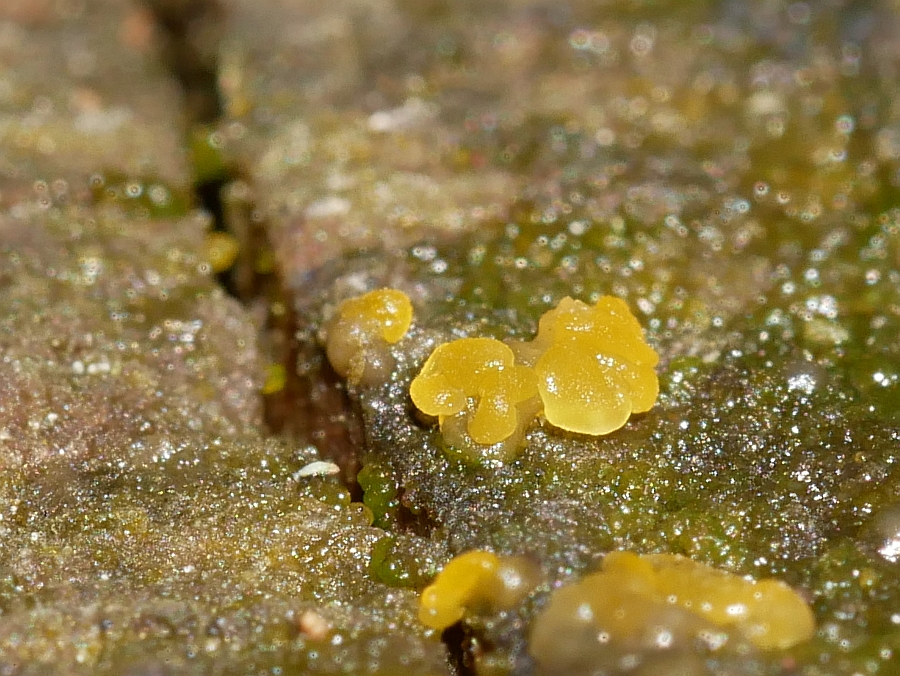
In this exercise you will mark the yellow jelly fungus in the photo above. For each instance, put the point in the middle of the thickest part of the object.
(221, 250)
(476, 581)
(588, 368)
(475, 380)
(593, 366)
(358, 336)
(667, 600)
(768, 612)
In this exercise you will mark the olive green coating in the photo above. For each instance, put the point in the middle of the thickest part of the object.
(729, 169)
(730, 172)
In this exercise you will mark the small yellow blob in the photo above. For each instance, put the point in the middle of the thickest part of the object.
(357, 338)
(669, 599)
(221, 250)
(387, 312)
(478, 380)
(276, 378)
(476, 580)
(593, 366)
(265, 262)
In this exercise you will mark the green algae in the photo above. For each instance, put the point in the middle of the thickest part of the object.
(207, 160)
(406, 561)
(748, 221)
(380, 494)
(140, 197)
(728, 169)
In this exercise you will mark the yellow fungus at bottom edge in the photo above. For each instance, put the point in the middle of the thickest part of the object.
(635, 596)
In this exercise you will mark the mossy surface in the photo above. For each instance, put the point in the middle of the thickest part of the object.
(729, 170)
(150, 524)
(732, 185)
(86, 103)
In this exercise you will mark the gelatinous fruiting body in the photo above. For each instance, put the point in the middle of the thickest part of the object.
(477, 581)
(768, 612)
(594, 368)
(357, 338)
(663, 601)
(588, 369)
(474, 381)
(221, 250)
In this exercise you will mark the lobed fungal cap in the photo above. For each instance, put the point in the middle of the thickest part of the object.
(634, 598)
(593, 366)
(388, 312)
(609, 325)
(479, 372)
(768, 612)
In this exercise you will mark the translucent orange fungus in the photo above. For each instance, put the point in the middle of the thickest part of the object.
(664, 599)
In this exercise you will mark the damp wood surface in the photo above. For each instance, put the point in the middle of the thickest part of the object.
(187, 484)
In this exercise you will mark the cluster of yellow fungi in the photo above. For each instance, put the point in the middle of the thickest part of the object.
(587, 370)
(358, 337)
(662, 600)
(474, 387)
